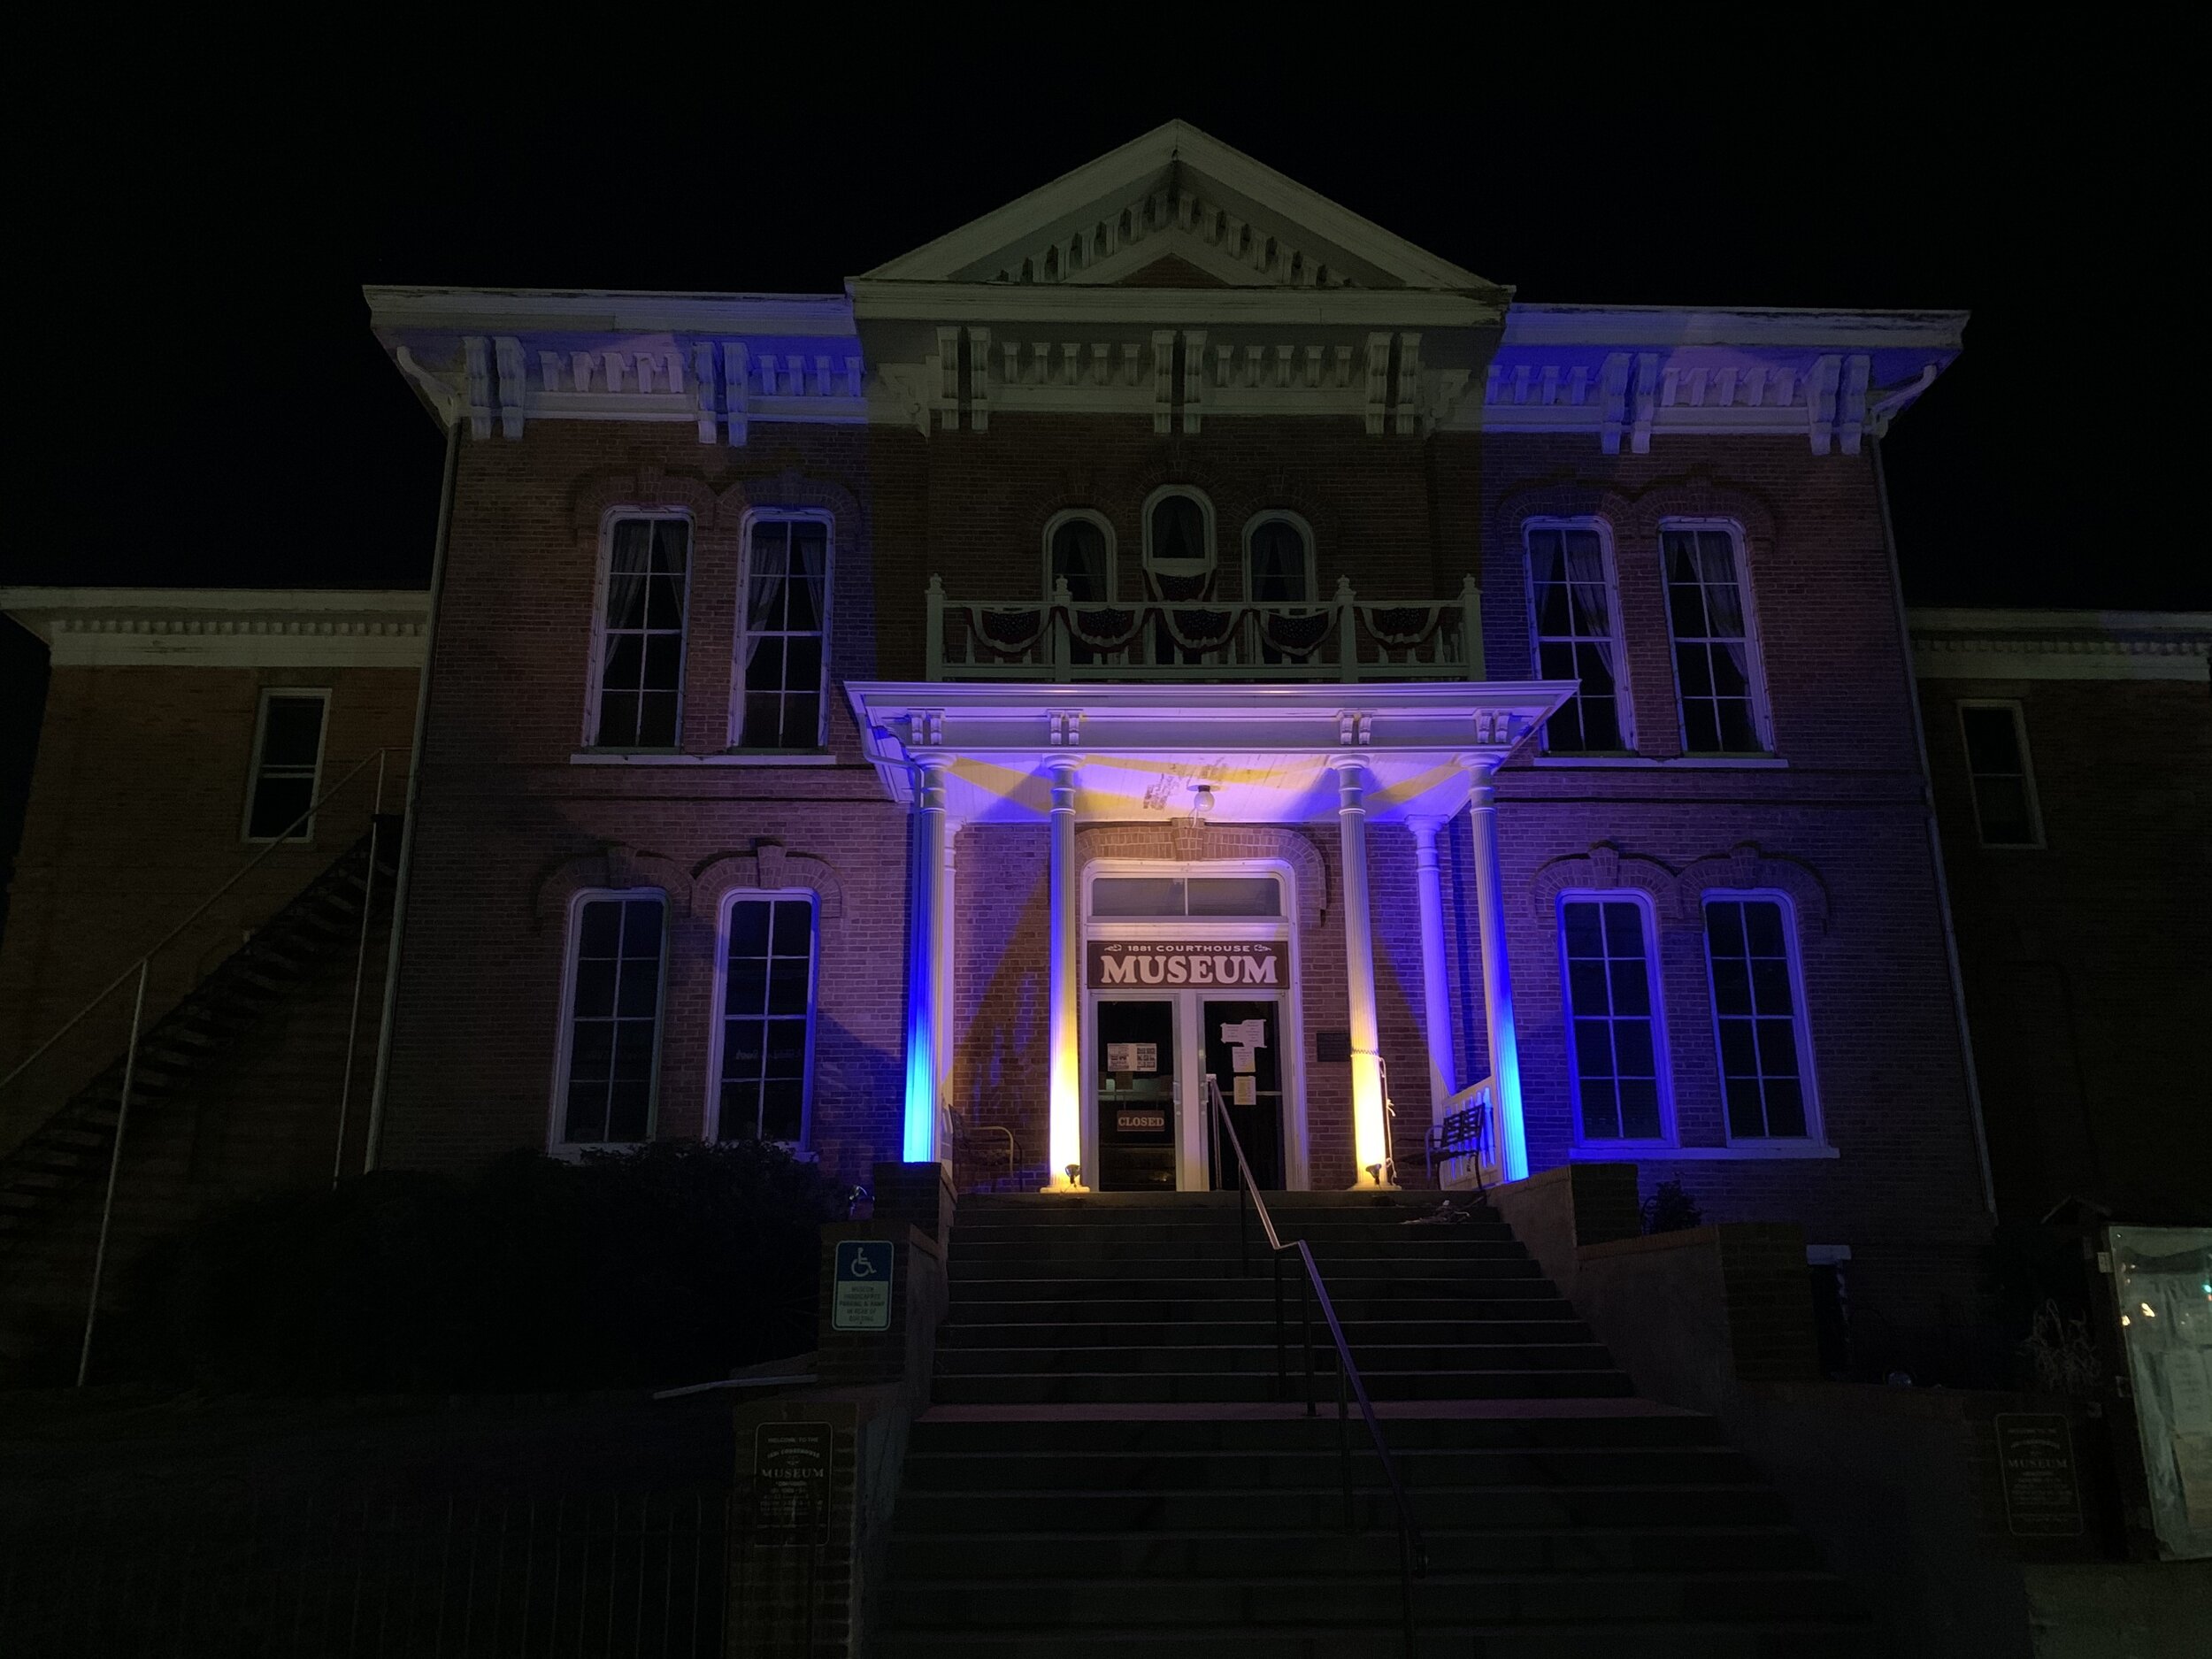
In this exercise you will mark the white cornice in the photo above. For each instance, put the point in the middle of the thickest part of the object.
(1267, 752)
(1537, 324)
(223, 627)
(604, 310)
(1996, 645)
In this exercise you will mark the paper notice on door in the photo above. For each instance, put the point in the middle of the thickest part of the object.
(1133, 1057)
(1248, 1089)
(2188, 1391)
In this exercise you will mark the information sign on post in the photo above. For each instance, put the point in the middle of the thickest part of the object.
(861, 1293)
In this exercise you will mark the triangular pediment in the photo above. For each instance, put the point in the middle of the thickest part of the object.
(1172, 203)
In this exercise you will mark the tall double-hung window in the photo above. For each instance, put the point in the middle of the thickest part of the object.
(767, 1035)
(638, 695)
(1997, 764)
(287, 759)
(1759, 1017)
(782, 662)
(1614, 1032)
(1716, 656)
(1576, 610)
(611, 1048)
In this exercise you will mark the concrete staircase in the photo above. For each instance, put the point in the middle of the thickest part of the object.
(1110, 1468)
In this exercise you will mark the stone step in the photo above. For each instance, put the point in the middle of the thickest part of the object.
(1454, 1637)
(1394, 1269)
(1427, 1246)
(1145, 1230)
(1589, 1598)
(1201, 1388)
(952, 1556)
(1100, 1306)
(1319, 1468)
(936, 1433)
(1253, 1332)
(1251, 1358)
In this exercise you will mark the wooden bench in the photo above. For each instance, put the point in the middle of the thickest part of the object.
(1467, 1137)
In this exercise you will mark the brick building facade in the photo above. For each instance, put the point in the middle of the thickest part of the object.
(1179, 500)
(839, 707)
(2071, 757)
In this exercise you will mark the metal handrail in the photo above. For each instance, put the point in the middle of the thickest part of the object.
(283, 839)
(1413, 1558)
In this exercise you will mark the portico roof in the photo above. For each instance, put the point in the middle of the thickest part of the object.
(1266, 754)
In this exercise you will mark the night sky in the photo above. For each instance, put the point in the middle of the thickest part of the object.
(215, 412)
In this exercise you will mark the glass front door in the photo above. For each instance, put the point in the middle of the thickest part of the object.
(1136, 1084)
(1244, 1059)
(1151, 1059)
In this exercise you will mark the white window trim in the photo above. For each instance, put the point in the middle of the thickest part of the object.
(594, 682)
(1085, 515)
(1206, 512)
(1283, 515)
(1814, 1141)
(1755, 669)
(730, 901)
(306, 837)
(2035, 843)
(1624, 704)
(735, 729)
(1663, 1054)
(565, 1035)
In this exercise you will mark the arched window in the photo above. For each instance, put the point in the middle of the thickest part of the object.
(1079, 550)
(1179, 536)
(1279, 560)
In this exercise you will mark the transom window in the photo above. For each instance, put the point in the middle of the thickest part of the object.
(639, 688)
(1079, 551)
(1757, 1009)
(782, 665)
(287, 758)
(1613, 1021)
(767, 1019)
(1121, 897)
(614, 1012)
(1278, 561)
(1575, 608)
(1997, 763)
(1716, 667)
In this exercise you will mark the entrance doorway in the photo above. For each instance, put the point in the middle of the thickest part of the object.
(1153, 1058)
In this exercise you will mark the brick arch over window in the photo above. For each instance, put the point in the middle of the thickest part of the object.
(767, 868)
(645, 489)
(1745, 867)
(793, 488)
(615, 866)
(1635, 513)
(1605, 868)
(1187, 845)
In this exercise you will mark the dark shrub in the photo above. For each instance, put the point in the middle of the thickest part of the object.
(670, 1264)
(1670, 1210)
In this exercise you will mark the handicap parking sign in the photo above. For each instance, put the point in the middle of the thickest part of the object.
(861, 1297)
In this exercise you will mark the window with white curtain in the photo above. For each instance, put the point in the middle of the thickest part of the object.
(1716, 658)
(1758, 1015)
(782, 661)
(1278, 561)
(638, 695)
(610, 1055)
(1613, 1042)
(1079, 551)
(1575, 608)
(767, 1035)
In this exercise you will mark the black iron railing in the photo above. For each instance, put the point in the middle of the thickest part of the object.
(1412, 1551)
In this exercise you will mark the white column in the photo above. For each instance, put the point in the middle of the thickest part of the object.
(1064, 1128)
(1497, 980)
(940, 913)
(1436, 1002)
(926, 955)
(1370, 1132)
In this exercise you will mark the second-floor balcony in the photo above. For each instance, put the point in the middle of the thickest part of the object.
(1342, 638)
